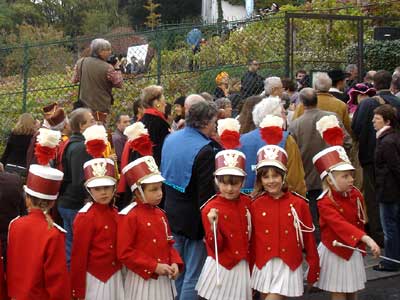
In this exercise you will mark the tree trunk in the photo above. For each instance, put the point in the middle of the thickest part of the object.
(220, 12)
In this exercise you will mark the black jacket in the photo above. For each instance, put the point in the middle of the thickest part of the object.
(183, 209)
(252, 84)
(16, 149)
(363, 129)
(387, 166)
(158, 130)
(12, 203)
(219, 93)
(341, 96)
(72, 192)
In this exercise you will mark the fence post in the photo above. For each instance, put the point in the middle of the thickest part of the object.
(287, 46)
(158, 46)
(25, 69)
(360, 50)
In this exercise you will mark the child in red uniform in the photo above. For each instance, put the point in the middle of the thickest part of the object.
(95, 270)
(229, 209)
(282, 225)
(144, 243)
(36, 262)
(341, 218)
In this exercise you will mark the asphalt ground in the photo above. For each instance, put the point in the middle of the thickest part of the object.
(380, 285)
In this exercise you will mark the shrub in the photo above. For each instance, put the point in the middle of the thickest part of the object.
(378, 55)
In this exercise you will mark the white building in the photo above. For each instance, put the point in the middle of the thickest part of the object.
(209, 10)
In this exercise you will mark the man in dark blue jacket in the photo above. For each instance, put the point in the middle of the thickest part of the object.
(188, 165)
(365, 133)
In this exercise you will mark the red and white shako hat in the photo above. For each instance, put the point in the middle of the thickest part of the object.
(272, 155)
(99, 172)
(141, 171)
(333, 158)
(139, 139)
(43, 181)
(95, 140)
(230, 161)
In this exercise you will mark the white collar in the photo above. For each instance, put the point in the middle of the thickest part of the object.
(333, 89)
(382, 130)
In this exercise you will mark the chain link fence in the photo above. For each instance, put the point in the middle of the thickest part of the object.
(33, 75)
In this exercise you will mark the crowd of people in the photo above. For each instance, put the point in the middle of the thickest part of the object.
(223, 199)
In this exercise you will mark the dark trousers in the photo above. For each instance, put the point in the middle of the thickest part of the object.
(312, 196)
(374, 227)
(390, 217)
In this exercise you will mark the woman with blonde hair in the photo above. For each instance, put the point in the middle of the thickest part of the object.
(154, 119)
(19, 140)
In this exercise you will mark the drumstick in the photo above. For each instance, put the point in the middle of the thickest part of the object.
(335, 243)
(216, 252)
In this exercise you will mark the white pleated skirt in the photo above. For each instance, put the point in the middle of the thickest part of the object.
(235, 283)
(137, 288)
(277, 278)
(113, 289)
(340, 275)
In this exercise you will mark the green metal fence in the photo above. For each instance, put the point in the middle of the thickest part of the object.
(33, 75)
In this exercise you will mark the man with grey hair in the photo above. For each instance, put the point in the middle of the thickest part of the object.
(273, 87)
(396, 71)
(322, 84)
(395, 85)
(310, 142)
(369, 78)
(97, 77)
(188, 185)
(352, 75)
(251, 142)
(191, 100)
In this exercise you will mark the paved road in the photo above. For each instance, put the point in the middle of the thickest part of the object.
(380, 289)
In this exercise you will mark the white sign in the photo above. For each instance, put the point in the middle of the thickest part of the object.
(138, 53)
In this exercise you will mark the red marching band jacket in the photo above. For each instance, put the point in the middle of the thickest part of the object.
(94, 246)
(144, 240)
(36, 262)
(341, 218)
(275, 235)
(233, 229)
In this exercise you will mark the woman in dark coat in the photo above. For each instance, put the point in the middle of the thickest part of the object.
(222, 82)
(154, 118)
(19, 140)
(387, 172)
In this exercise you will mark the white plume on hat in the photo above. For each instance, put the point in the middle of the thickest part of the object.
(48, 138)
(326, 123)
(228, 124)
(271, 120)
(95, 132)
(135, 130)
